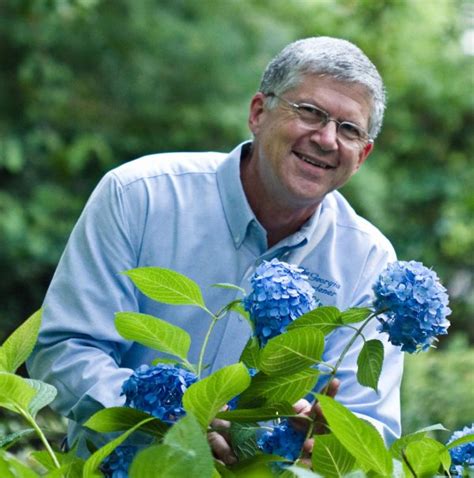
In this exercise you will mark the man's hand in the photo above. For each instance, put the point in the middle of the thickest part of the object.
(304, 408)
(219, 442)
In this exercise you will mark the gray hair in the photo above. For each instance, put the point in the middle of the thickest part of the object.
(338, 58)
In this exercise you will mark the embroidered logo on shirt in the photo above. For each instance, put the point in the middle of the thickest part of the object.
(322, 285)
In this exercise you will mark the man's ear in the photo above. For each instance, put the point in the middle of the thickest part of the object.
(366, 150)
(256, 112)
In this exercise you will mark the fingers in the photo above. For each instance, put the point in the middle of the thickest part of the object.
(219, 441)
(302, 407)
(308, 446)
(221, 448)
(333, 387)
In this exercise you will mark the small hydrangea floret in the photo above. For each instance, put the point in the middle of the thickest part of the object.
(116, 465)
(158, 390)
(462, 456)
(283, 440)
(415, 304)
(280, 294)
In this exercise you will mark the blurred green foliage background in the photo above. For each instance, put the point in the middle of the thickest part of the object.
(86, 85)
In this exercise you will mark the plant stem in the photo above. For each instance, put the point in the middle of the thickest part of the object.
(349, 344)
(204, 345)
(42, 437)
(215, 317)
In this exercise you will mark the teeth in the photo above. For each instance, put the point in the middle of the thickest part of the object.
(313, 162)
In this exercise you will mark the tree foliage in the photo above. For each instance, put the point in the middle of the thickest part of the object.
(88, 84)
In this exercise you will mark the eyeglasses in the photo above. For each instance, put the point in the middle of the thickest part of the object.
(316, 118)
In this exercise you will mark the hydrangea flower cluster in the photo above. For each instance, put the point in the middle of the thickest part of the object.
(462, 456)
(280, 294)
(417, 303)
(117, 463)
(158, 390)
(283, 440)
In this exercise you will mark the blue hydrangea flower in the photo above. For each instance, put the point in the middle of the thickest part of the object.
(280, 294)
(158, 390)
(462, 456)
(283, 440)
(417, 303)
(117, 463)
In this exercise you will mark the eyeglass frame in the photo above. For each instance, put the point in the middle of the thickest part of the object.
(365, 139)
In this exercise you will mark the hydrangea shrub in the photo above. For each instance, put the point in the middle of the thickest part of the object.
(279, 365)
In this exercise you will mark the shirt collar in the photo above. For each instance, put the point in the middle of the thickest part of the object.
(236, 207)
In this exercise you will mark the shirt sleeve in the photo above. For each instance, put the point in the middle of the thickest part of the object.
(79, 350)
(382, 407)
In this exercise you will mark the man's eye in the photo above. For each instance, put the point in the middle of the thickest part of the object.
(312, 113)
(350, 131)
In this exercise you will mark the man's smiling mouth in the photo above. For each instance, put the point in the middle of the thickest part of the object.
(313, 161)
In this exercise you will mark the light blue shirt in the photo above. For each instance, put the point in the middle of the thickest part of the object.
(188, 212)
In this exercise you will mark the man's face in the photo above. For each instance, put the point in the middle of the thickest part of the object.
(297, 166)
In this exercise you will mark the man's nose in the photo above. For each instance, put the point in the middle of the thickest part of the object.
(326, 136)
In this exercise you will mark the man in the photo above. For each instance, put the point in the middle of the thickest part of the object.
(215, 217)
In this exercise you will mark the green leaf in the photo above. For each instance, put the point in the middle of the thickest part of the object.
(184, 452)
(44, 458)
(292, 351)
(176, 361)
(45, 394)
(167, 286)
(369, 363)
(117, 419)
(154, 333)
(300, 472)
(10, 467)
(250, 415)
(18, 347)
(432, 428)
(226, 285)
(236, 306)
(325, 318)
(71, 470)
(92, 463)
(461, 441)
(15, 392)
(250, 354)
(243, 438)
(10, 439)
(360, 438)
(161, 461)
(71, 465)
(424, 457)
(256, 467)
(330, 458)
(399, 445)
(186, 436)
(207, 396)
(286, 388)
(355, 314)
